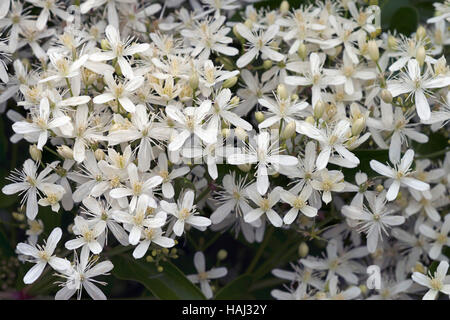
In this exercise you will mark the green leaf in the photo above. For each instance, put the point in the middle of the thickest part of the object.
(170, 284)
(236, 289)
(405, 20)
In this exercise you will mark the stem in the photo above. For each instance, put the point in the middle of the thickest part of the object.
(53, 152)
(260, 250)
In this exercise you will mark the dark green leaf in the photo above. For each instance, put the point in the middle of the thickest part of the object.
(170, 284)
(236, 289)
(405, 20)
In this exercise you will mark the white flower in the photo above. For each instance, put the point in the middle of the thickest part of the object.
(330, 140)
(437, 283)
(264, 206)
(162, 169)
(209, 35)
(328, 181)
(27, 181)
(376, 221)
(232, 198)
(315, 77)
(53, 194)
(120, 92)
(152, 235)
(399, 175)
(137, 219)
(99, 211)
(41, 124)
(298, 202)
(185, 213)
(262, 152)
(43, 255)
(258, 43)
(80, 276)
(440, 237)
(87, 235)
(204, 276)
(47, 8)
(119, 50)
(190, 122)
(416, 84)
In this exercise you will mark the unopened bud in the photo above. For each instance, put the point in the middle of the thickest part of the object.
(225, 132)
(245, 167)
(65, 152)
(284, 6)
(222, 255)
(35, 153)
(235, 101)
(303, 250)
(420, 55)
(267, 64)
(310, 120)
(358, 126)
(386, 95)
(193, 81)
(294, 97)
(99, 154)
(160, 269)
(392, 42)
(259, 116)
(230, 82)
(374, 53)
(104, 44)
(282, 91)
(319, 109)
(302, 51)
(289, 131)
(240, 133)
(419, 268)
(363, 288)
(421, 33)
(379, 188)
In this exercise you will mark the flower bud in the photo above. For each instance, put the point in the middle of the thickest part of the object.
(225, 132)
(319, 109)
(104, 44)
(289, 131)
(222, 255)
(303, 249)
(35, 153)
(267, 64)
(386, 95)
(245, 167)
(302, 51)
(230, 82)
(420, 55)
(421, 33)
(358, 126)
(234, 101)
(259, 116)
(193, 81)
(284, 6)
(99, 154)
(294, 97)
(363, 288)
(379, 188)
(282, 91)
(240, 133)
(419, 268)
(65, 152)
(374, 53)
(310, 120)
(392, 43)
(248, 23)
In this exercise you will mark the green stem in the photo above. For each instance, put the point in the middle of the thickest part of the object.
(260, 250)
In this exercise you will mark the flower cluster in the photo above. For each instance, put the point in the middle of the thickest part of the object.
(148, 120)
